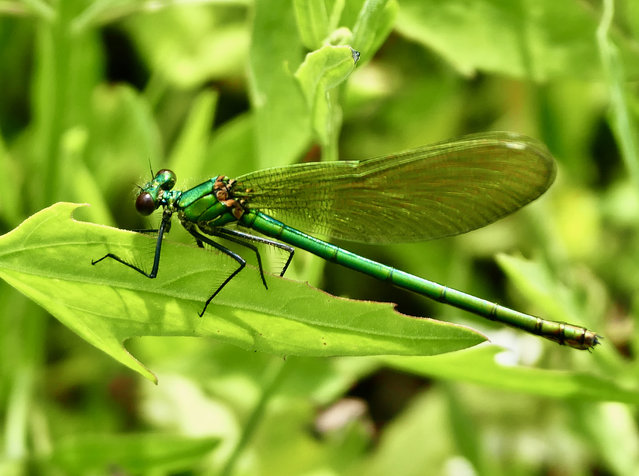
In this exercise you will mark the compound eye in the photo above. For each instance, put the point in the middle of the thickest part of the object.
(144, 204)
(166, 179)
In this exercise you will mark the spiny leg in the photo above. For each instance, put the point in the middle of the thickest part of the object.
(199, 238)
(165, 226)
(241, 236)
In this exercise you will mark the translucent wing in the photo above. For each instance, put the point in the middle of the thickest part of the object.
(435, 191)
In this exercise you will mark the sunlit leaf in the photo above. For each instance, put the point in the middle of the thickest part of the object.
(48, 258)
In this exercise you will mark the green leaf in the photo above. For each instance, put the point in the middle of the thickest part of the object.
(82, 184)
(64, 67)
(10, 210)
(374, 23)
(276, 99)
(231, 150)
(623, 120)
(318, 75)
(536, 39)
(312, 22)
(48, 258)
(479, 366)
(190, 148)
(554, 299)
(123, 139)
(130, 453)
(188, 46)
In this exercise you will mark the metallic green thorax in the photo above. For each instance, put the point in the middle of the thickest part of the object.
(202, 203)
(205, 204)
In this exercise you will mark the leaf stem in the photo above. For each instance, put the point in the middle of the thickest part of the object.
(275, 374)
(22, 385)
(621, 121)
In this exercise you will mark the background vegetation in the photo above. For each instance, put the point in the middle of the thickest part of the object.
(92, 92)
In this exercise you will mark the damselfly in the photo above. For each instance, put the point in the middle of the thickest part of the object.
(439, 190)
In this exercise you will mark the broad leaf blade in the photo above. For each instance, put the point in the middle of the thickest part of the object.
(48, 258)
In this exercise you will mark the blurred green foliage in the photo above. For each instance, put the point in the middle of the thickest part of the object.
(92, 92)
